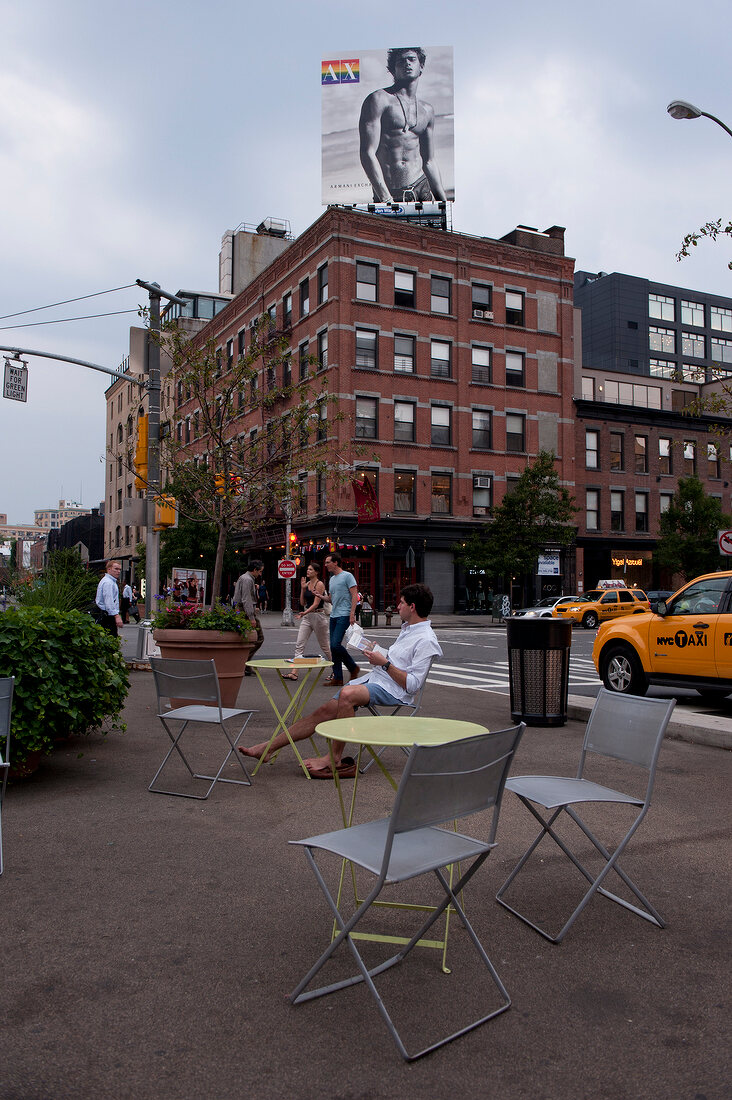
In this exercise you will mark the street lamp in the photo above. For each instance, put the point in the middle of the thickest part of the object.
(679, 108)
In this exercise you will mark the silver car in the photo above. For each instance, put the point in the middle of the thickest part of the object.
(543, 609)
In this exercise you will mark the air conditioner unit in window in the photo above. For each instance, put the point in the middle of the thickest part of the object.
(483, 314)
(482, 482)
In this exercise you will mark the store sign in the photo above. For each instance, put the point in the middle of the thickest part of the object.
(549, 564)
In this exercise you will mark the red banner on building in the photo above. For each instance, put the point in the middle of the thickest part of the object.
(367, 506)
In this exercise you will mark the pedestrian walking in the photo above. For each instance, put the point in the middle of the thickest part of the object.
(107, 598)
(245, 597)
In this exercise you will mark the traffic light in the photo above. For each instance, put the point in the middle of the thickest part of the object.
(219, 482)
(165, 515)
(293, 540)
(141, 453)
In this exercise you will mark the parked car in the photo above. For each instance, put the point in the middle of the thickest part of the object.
(656, 595)
(543, 609)
(688, 643)
(602, 604)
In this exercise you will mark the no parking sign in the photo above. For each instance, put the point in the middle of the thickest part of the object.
(724, 538)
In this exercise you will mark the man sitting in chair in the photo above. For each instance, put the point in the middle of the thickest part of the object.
(393, 678)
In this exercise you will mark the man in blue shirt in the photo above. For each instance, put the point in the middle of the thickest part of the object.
(343, 592)
(107, 597)
(394, 677)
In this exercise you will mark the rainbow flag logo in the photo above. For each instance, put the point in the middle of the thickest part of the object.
(340, 71)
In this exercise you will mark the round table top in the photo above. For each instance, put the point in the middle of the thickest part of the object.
(283, 662)
(387, 730)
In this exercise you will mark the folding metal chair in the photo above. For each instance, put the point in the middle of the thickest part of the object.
(195, 680)
(390, 709)
(623, 727)
(439, 785)
(6, 706)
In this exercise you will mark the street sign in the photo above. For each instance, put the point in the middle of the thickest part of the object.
(15, 385)
(724, 539)
(286, 569)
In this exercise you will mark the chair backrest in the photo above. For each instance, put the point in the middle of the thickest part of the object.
(442, 783)
(630, 728)
(186, 680)
(417, 703)
(6, 706)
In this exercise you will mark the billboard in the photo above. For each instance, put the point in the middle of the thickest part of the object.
(388, 126)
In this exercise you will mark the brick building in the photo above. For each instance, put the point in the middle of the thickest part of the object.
(452, 360)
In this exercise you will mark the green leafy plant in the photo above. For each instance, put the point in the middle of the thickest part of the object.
(64, 584)
(70, 677)
(193, 618)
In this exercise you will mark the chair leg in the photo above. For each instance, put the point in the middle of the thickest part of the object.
(611, 863)
(212, 779)
(367, 975)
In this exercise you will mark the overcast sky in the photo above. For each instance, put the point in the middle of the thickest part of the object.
(132, 136)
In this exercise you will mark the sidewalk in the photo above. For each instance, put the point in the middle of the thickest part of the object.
(150, 941)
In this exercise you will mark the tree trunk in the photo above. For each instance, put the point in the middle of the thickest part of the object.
(219, 565)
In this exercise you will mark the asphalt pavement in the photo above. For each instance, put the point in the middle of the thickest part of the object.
(150, 941)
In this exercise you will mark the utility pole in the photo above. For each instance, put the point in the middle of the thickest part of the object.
(152, 369)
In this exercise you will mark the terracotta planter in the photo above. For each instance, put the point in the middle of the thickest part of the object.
(229, 650)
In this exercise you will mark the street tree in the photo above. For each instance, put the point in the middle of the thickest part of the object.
(687, 544)
(244, 432)
(538, 512)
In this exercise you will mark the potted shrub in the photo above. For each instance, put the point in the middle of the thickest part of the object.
(70, 678)
(189, 633)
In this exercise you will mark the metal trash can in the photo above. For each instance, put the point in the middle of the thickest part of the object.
(538, 669)
(367, 618)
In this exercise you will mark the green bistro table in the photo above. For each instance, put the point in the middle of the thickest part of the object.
(371, 733)
(298, 694)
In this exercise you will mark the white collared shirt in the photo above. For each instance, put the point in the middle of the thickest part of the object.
(411, 652)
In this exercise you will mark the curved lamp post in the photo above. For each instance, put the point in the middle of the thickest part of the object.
(679, 108)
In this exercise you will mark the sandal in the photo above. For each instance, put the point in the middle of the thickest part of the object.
(346, 770)
(289, 676)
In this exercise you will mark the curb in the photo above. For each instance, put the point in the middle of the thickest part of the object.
(716, 732)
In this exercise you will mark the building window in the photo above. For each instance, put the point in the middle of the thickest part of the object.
(588, 389)
(440, 353)
(442, 493)
(592, 509)
(304, 297)
(689, 457)
(665, 465)
(367, 417)
(302, 355)
(404, 292)
(482, 484)
(119, 499)
(616, 451)
(301, 499)
(441, 416)
(369, 479)
(713, 460)
(482, 302)
(271, 377)
(641, 511)
(322, 284)
(720, 318)
(366, 282)
(617, 510)
(662, 339)
(323, 349)
(286, 310)
(661, 307)
(404, 421)
(480, 365)
(440, 292)
(286, 372)
(692, 345)
(322, 434)
(187, 435)
(633, 393)
(515, 363)
(481, 440)
(404, 354)
(404, 487)
(641, 454)
(721, 350)
(515, 432)
(321, 496)
(692, 313)
(366, 349)
(119, 466)
(665, 501)
(514, 307)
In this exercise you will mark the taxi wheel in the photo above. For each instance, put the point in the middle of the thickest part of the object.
(621, 671)
(589, 620)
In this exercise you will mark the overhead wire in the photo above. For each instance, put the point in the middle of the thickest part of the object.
(68, 301)
(61, 320)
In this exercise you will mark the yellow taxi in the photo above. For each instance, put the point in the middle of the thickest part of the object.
(687, 643)
(602, 604)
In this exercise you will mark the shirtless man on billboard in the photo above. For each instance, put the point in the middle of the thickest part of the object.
(397, 135)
